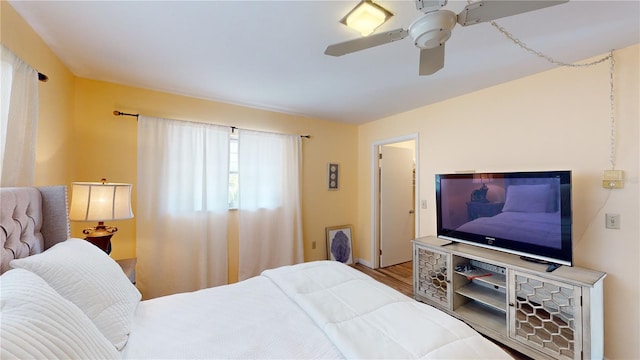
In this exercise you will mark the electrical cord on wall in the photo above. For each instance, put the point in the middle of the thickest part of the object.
(612, 148)
(593, 218)
(612, 134)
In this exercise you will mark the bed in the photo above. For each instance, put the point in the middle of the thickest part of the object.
(531, 213)
(65, 298)
(534, 228)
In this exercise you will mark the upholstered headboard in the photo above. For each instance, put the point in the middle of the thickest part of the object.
(32, 219)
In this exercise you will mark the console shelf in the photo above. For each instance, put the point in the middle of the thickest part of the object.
(485, 296)
(499, 280)
(474, 312)
(545, 315)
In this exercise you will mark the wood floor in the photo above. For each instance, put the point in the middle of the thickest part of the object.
(400, 277)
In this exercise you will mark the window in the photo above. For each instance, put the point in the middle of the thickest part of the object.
(233, 172)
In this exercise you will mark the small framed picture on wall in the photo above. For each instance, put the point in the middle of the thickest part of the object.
(339, 244)
(333, 176)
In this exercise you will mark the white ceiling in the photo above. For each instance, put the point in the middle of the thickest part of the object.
(270, 54)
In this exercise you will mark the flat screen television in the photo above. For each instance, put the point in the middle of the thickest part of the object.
(524, 213)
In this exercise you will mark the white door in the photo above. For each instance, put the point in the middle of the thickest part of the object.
(397, 213)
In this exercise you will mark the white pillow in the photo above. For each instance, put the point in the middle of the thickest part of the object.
(38, 323)
(89, 278)
(527, 198)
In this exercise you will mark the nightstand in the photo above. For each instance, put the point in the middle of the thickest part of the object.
(129, 268)
(483, 209)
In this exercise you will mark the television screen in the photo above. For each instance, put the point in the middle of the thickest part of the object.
(525, 213)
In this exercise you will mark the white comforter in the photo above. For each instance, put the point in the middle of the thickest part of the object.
(247, 320)
(312, 310)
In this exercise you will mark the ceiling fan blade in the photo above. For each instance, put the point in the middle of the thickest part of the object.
(488, 10)
(350, 46)
(431, 60)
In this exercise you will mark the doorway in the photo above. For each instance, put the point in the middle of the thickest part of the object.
(394, 200)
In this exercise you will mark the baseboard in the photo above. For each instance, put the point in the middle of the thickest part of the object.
(365, 263)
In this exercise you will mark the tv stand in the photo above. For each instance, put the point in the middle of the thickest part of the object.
(544, 315)
(550, 266)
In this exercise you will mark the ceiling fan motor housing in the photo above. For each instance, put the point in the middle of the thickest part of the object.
(432, 29)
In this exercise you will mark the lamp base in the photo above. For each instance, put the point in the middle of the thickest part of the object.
(100, 236)
(103, 242)
(480, 195)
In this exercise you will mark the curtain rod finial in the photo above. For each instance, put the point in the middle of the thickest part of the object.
(120, 113)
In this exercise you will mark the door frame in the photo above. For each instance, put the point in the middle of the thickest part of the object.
(375, 198)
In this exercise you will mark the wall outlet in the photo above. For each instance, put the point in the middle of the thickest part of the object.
(313, 245)
(612, 221)
(423, 204)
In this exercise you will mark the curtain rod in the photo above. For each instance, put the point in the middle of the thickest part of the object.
(233, 128)
(41, 77)
(119, 113)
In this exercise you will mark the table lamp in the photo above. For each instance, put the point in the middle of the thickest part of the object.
(100, 201)
(480, 194)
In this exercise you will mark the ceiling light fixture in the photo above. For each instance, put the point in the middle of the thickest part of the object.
(366, 17)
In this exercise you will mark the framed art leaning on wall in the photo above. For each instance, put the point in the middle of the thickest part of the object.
(339, 244)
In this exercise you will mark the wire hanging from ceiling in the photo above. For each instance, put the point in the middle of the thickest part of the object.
(612, 155)
(612, 149)
(543, 56)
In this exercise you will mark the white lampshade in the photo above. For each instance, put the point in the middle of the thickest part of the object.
(96, 201)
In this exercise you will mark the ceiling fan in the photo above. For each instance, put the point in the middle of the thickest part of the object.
(431, 30)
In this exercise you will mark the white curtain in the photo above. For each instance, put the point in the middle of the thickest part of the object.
(270, 223)
(19, 89)
(182, 206)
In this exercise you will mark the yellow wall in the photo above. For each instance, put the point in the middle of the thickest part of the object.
(54, 143)
(79, 139)
(555, 120)
(558, 119)
(106, 146)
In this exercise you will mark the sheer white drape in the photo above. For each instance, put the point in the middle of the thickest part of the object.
(19, 111)
(270, 223)
(182, 205)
